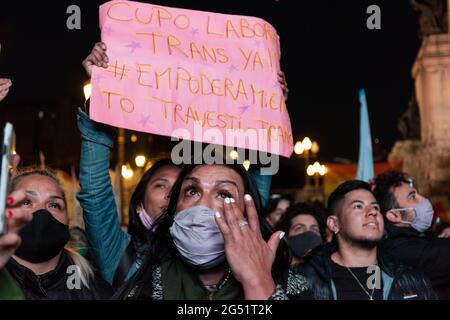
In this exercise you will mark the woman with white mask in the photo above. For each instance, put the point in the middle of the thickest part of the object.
(208, 244)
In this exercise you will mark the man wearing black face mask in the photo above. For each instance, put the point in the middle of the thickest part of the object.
(408, 217)
(305, 229)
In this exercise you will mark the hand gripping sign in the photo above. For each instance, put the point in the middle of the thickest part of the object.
(202, 76)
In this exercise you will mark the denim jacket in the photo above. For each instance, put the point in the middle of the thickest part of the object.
(96, 197)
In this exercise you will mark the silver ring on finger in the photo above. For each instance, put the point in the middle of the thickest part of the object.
(243, 223)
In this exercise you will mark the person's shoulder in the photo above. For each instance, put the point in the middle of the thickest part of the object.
(101, 288)
(320, 256)
(394, 232)
(401, 240)
(410, 275)
(417, 280)
(410, 245)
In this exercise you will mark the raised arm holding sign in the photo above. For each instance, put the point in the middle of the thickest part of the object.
(174, 69)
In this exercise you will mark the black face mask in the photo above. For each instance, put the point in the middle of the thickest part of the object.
(43, 238)
(301, 243)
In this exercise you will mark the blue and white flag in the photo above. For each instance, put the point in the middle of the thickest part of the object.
(365, 162)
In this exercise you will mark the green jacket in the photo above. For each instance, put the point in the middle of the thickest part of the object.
(8, 288)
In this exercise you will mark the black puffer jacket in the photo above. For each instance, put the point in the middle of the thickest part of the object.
(399, 282)
(423, 252)
(53, 285)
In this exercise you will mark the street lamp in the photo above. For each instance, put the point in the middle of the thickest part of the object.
(246, 164)
(316, 167)
(315, 148)
(140, 161)
(127, 172)
(323, 170)
(310, 170)
(316, 170)
(298, 148)
(307, 144)
(234, 155)
(302, 148)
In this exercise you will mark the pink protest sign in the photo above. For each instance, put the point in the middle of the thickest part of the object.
(173, 69)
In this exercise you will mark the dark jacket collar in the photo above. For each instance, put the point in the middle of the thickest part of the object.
(393, 231)
(42, 283)
(320, 260)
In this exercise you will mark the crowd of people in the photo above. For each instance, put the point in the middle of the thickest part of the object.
(213, 231)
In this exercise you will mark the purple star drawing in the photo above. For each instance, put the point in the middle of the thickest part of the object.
(231, 68)
(133, 45)
(194, 32)
(107, 30)
(144, 120)
(98, 77)
(244, 109)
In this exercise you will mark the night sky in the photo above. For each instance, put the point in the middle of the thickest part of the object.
(328, 54)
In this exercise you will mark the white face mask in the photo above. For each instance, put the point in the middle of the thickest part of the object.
(197, 237)
(424, 215)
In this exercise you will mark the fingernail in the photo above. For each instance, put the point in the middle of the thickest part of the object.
(9, 214)
(227, 200)
(282, 235)
(10, 200)
(248, 197)
(232, 200)
(218, 215)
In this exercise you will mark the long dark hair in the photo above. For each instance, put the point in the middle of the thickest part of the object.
(284, 253)
(161, 246)
(303, 209)
(274, 200)
(136, 229)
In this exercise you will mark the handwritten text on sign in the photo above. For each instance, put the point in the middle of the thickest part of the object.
(174, 68)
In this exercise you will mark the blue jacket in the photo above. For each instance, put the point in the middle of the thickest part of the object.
(96, 197)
